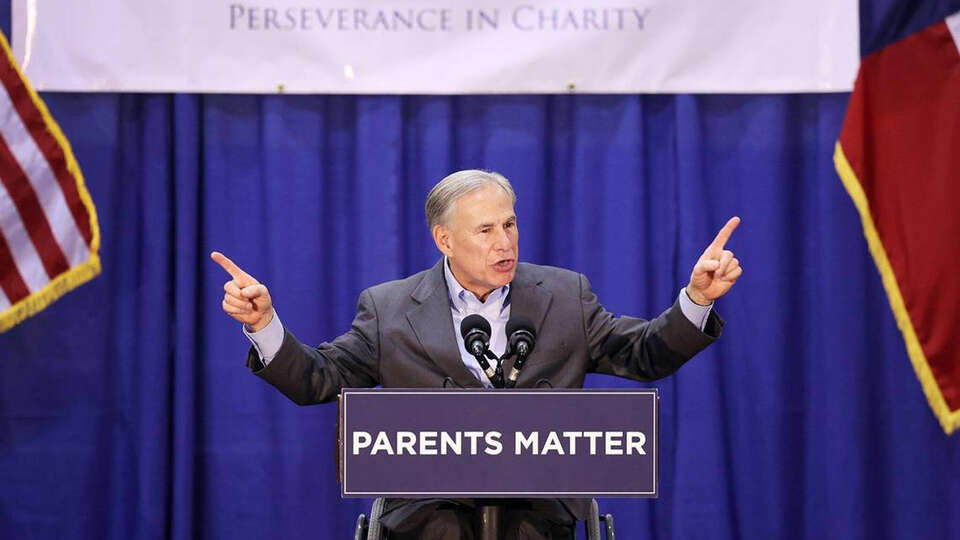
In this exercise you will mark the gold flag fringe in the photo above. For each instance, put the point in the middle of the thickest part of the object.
(949, 420)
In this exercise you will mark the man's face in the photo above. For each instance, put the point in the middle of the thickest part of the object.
(480, 240)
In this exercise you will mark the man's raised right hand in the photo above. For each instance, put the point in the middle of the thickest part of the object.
(244, 298)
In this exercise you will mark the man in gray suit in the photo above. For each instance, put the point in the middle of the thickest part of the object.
(405, 334)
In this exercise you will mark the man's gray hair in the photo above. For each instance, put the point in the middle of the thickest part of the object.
(442, 197)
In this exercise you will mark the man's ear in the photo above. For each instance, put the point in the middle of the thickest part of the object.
(441, 237)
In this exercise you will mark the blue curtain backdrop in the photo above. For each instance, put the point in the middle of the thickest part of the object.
(126, 412)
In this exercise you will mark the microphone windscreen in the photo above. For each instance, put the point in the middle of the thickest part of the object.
(519, 322)
(472, 322)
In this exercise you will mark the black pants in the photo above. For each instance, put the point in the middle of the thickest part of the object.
(442, 519)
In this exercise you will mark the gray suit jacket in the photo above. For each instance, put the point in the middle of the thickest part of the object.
(403, 337)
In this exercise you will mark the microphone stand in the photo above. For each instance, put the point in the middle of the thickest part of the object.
(498, 371)
(491, 510)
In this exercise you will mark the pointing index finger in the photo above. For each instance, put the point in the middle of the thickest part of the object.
(228, 265)
(721, 239)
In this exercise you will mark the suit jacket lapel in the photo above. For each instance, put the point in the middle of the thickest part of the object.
(433, 324)
(530, 299)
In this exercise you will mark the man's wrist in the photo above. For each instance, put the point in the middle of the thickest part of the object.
(697, 298)
(264, 321)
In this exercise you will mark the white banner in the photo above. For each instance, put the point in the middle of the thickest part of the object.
(431, 47)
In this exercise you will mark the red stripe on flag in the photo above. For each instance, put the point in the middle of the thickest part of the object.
(901, 138)
(33, 119)
(10, 279)
(31, 213)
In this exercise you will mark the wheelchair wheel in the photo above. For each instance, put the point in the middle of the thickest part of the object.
(592, 523)
(374, 529)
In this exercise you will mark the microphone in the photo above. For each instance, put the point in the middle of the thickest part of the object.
(521, 338)
(476, 338)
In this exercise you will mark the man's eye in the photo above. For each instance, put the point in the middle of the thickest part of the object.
(508, 225)
(485, 230)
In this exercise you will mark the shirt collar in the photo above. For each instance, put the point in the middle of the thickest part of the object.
(458, 295)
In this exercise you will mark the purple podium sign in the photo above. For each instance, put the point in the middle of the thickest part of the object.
(499, 443)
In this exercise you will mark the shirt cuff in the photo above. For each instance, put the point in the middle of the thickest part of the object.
(693, 311)
(268, 340)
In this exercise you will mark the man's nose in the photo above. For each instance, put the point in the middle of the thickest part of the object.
(503, 241)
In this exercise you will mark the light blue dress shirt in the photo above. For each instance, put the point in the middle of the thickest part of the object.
(496, 310)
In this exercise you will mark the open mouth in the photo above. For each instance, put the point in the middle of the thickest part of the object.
(504, 265)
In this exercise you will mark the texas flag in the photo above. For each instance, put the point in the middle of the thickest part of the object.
(899, 159)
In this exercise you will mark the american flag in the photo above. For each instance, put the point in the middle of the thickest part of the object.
(49, 236)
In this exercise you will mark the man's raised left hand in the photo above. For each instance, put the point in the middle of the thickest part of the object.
(716, 270)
